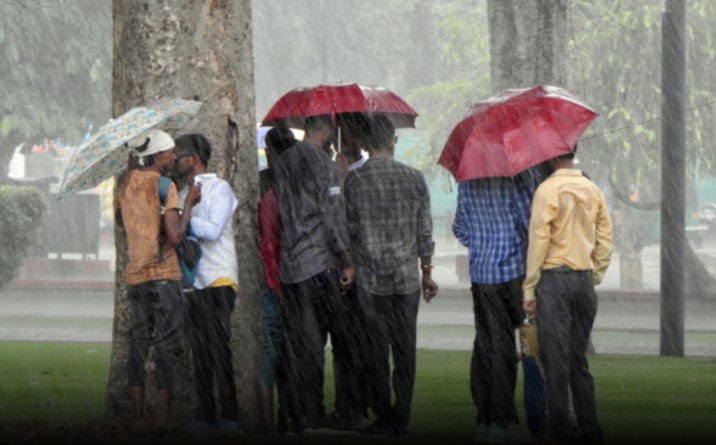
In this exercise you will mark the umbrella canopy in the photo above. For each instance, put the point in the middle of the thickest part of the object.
(298, 104)
(514, 130)
(104, 154)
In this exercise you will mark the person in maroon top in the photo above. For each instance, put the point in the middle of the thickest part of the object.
(277, 141)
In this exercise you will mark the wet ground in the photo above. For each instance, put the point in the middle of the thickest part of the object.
(73, 308)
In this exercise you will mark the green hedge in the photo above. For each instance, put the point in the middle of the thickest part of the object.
(21, 212)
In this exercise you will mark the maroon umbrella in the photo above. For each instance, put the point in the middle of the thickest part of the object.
(300, 103)
(514, 130)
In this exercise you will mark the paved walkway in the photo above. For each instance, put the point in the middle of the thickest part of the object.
(73, 312)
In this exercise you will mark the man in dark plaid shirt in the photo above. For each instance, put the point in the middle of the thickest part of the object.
(389, 222)
(315, 267)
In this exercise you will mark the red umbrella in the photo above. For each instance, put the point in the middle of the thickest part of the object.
(300, 103)
(514, 130)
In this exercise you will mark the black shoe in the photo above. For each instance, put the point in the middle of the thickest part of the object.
(323, 423)
(353, 421)
(379, 429)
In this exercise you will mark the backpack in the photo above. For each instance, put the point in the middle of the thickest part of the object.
(188, 250)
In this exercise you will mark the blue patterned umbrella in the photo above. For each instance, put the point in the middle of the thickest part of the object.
(104, 154)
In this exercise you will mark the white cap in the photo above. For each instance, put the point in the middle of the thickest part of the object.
(158, 141)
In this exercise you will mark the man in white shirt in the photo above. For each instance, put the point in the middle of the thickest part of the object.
(209, 306)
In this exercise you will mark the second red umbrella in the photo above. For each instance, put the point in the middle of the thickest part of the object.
(514, 130)
(332, 99)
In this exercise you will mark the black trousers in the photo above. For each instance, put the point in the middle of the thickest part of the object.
(391, 327)
(493, 368)
(156, 317)
(566, 309)
(309, 313)
(208, 328)
(349, 356)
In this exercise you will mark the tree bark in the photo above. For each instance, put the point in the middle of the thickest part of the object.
(528, 43)
(200, 51)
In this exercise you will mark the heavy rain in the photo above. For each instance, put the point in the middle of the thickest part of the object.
(642, 70)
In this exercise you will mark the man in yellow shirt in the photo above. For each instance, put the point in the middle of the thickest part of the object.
(570, 244)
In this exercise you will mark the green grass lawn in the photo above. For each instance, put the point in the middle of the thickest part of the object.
(640, 399)
(52, 381)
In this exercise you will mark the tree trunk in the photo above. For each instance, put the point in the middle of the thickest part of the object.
(528, 43)
(700, 283)
(628, 235)
(201, 51)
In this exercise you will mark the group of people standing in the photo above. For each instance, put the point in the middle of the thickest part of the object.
(346, 243)
(156, 220)
(347, 255)
(542, 237)
(354, 257)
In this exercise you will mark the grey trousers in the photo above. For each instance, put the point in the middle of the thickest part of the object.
(156, 318)
(390, 331)
(567, 306)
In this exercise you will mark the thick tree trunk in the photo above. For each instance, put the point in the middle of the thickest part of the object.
(700, 282)
(629, 236)
(201, 51)
(528, 43)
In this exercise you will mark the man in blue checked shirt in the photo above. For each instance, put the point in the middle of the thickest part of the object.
(492, 220)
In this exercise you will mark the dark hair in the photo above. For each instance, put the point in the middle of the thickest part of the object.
(354, 122)
(279, 139)
(143, 161)
(381, 132)
(194, 144)
(318, 122)
(569, 155)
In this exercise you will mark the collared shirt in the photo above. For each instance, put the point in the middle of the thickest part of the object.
(359, 163)
(389, 222)
(492, 219)
(570, 226)
(211, 222)
(312, 212)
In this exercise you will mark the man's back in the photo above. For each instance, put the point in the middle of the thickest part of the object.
(390, 224)
(570, 227)
(312, 212)
(492, 220)
(139, 201)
